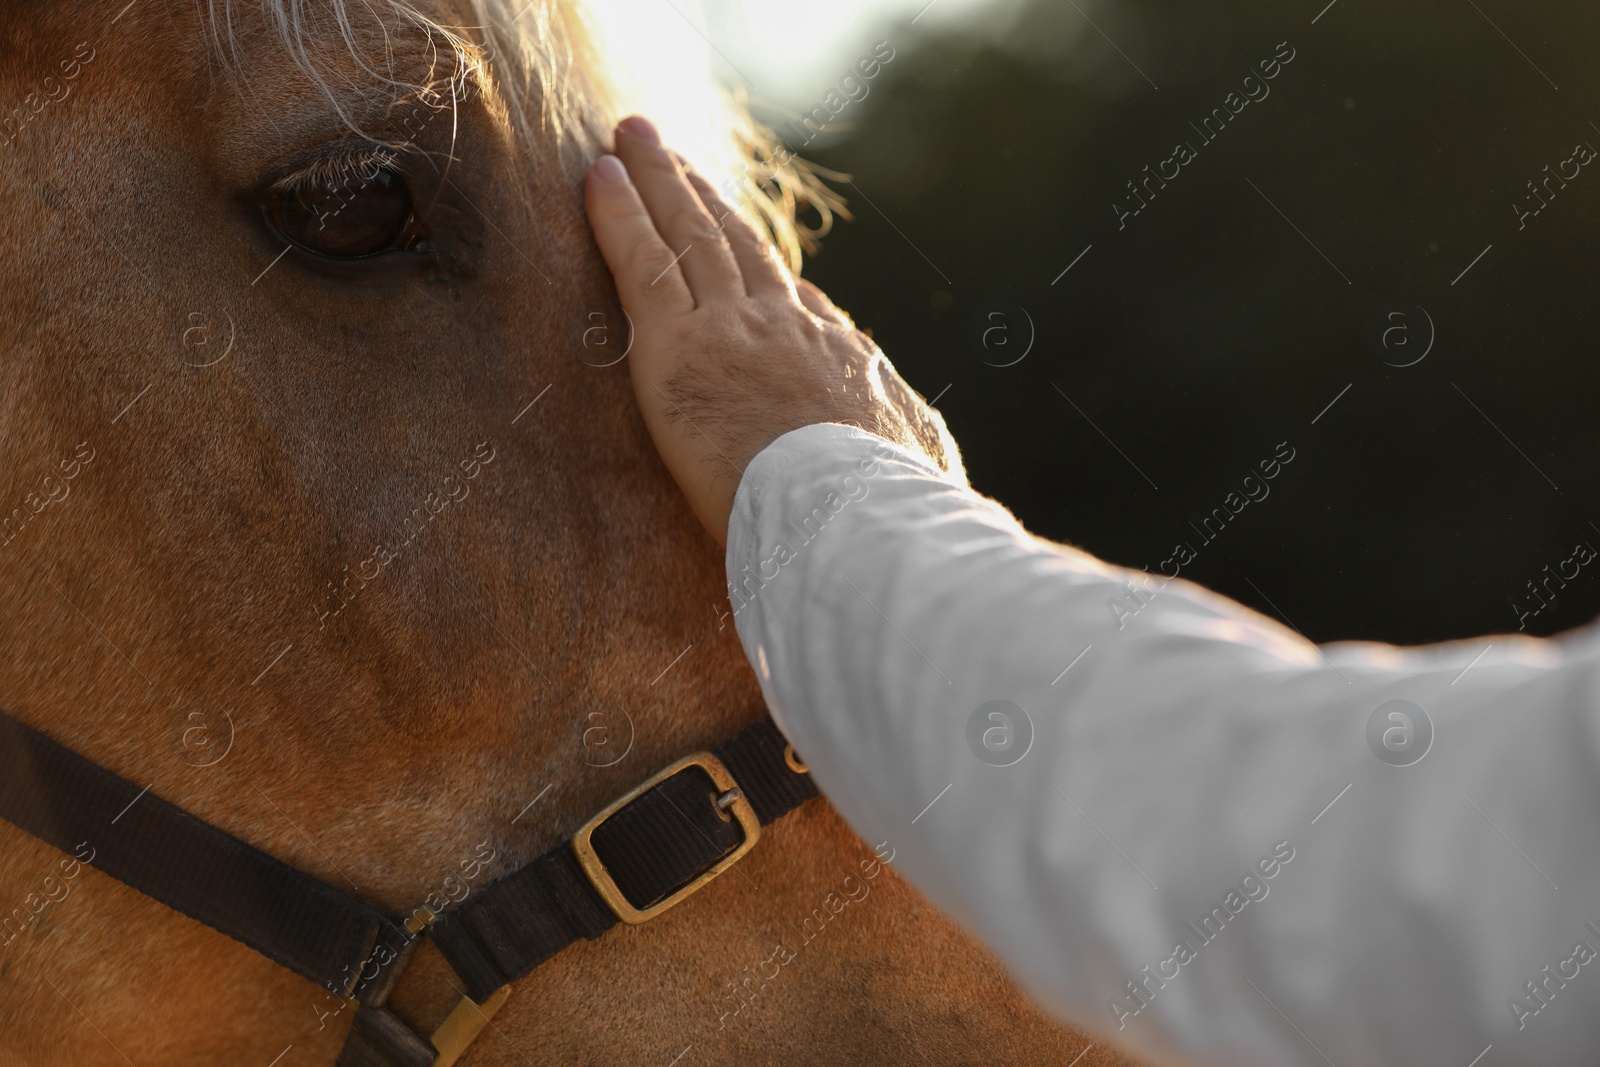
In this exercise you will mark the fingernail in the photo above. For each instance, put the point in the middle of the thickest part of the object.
(641, 128)
(610, 169)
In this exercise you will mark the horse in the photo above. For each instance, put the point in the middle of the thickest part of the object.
(328, 518)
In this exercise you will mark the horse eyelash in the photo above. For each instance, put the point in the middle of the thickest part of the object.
(340, 171)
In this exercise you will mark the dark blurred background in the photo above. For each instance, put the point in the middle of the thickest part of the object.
(1226, 316)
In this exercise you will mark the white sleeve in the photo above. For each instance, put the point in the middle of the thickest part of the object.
(1184, 827)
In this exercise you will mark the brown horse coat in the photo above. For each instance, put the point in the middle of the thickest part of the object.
(374, 565)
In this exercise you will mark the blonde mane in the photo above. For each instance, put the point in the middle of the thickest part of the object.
(542, 67)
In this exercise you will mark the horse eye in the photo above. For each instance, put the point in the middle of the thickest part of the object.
(352, 219)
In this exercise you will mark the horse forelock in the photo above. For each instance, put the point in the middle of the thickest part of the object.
(530, 61)
(543, 68)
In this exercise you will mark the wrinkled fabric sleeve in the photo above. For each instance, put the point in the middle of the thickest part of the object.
(1178, 823)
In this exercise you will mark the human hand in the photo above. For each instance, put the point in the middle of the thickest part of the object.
(730, 351)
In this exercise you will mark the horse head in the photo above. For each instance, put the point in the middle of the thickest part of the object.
(325, 511)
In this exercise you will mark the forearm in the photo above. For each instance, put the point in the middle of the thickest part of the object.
(1177, 743)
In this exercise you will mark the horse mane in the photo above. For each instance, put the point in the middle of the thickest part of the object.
(542, 68)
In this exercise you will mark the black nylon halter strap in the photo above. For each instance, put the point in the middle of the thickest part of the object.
(651, 847)
(190, 866)
(661, 841)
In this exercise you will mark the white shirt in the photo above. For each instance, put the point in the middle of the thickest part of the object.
(1219, 845)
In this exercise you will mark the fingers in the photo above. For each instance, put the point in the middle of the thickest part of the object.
(640, 261)
(764, 274)
(704, 257)
(673, 243)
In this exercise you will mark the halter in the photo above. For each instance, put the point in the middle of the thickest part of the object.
(646, 851)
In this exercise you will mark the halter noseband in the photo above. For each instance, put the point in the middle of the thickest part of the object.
(648, 850)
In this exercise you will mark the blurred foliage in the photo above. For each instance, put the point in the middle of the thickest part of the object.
(1209, 328)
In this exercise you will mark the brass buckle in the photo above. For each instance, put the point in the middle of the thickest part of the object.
(730, 799)
(452, 1037)
(462, 1026)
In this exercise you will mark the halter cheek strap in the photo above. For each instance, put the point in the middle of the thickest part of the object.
(650, 849)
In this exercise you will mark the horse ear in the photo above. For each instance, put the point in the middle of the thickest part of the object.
(775, 188)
